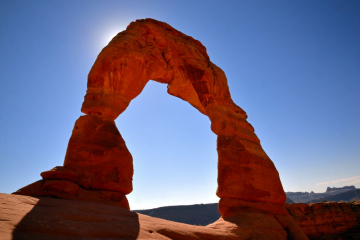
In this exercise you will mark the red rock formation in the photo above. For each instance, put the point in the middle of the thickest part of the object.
(150, 49)
(98, 154)
(330, 220)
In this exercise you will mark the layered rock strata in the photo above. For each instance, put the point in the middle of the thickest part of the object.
(329, 220)
(62, 183)
(153, 50)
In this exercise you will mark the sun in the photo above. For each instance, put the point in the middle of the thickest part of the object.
(110, 34)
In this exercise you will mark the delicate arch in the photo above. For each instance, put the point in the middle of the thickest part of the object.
(98, 165)
(150, 49)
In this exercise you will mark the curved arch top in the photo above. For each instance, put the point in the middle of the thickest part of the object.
(146, 50)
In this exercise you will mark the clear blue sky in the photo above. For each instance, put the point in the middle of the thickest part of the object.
(293, 66)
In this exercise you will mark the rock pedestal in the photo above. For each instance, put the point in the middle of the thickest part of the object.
(149, 49)
(98, 166)
(98, 154)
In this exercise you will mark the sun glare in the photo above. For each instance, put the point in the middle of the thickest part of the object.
(109, 35)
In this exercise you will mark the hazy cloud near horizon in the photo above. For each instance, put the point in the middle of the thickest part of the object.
(351, 180)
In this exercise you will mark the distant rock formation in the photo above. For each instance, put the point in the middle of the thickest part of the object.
(348, 196)
(198, 214)
(329, 220)
(306, 197)
(97, 163)
(331, 189)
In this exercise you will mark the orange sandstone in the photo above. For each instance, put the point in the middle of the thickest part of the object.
(149, 49)
(98, 154)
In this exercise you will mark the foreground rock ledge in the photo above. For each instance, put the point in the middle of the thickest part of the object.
(24, 217)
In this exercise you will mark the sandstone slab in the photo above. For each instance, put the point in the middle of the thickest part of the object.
(68, 190)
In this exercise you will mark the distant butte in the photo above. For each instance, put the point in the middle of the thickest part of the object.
(98, 166)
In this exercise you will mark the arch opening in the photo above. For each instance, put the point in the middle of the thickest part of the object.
(173, 149)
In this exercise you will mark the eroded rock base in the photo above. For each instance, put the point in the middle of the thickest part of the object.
(61, 183)
(262, 217)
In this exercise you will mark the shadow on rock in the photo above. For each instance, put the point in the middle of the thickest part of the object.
(49, 218)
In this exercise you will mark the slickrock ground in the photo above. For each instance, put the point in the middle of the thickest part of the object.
(24, 217)
(330, 220)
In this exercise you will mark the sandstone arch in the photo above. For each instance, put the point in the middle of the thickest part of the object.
(98, 166)
(149, 49)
